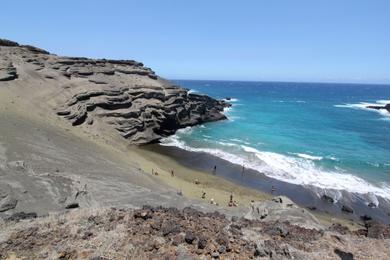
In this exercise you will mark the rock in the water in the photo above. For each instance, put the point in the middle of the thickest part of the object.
(385, 107)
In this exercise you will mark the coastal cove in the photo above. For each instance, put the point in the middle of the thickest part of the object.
(195, 130)
(255, 185)
(312, 139)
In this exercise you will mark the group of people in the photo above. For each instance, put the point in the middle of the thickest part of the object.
(156, 173)
(231, 203)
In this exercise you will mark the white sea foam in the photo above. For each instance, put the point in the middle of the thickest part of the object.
(301, 171)
(308, 156)
(227, 109)
(364, 106)
(383, 102)
(192, 91)
(231, 100)
(332, 158)
(239, 141)
(225, 143)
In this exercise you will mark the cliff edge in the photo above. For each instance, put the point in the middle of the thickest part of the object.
(94, 93)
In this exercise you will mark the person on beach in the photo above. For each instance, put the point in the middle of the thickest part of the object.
(215, 169)
(212, 201)
(230, 204)
(172, 174)
(203, 194)
(196, 181)
(252, 205)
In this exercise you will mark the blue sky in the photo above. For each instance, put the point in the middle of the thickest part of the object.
(278, 40)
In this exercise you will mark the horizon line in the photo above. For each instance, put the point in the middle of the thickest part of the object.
(282, 81)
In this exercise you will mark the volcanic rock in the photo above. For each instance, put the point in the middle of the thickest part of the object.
(123, 95)
(385, 107)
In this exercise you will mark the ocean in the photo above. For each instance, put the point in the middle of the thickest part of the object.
(312, 134)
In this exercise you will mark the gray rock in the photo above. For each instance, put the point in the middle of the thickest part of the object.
(72, 205)
(17, 165)
(347, 209)
(5, 42)
(8, 203)
(202, 243)
(22, 215)
(327, 199)
(222, 249)
(344, 255)
(190, 237)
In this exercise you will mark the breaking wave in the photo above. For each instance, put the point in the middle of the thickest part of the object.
(364, 106)
(299, 169)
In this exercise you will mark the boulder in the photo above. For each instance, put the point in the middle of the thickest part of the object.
(190, 237)
(347, 209)
(328, 198)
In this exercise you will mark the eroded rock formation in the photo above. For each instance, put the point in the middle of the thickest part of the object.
(123, 94)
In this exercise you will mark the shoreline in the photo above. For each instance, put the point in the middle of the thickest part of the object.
(250, 185)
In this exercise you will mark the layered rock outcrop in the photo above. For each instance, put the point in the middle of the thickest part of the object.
(122, 94)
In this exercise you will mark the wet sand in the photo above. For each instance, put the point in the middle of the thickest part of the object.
(249, 184)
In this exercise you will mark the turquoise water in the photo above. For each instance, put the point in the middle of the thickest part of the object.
(311, 134)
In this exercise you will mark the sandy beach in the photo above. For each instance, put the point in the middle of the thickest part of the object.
(215, 186)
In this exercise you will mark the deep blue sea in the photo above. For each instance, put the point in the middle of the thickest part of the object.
(311, 134)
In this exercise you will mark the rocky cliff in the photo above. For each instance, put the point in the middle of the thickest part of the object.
(122, 94)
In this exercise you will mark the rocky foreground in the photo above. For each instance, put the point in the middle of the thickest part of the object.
(169, 233)
(121, 94)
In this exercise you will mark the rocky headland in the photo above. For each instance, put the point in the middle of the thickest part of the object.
(122, 94)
